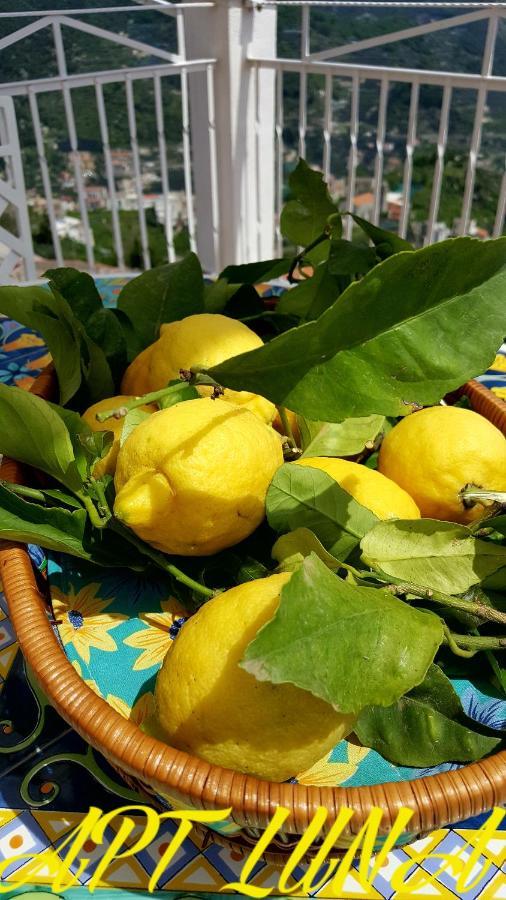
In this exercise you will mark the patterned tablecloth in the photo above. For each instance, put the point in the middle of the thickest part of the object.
(49, 777)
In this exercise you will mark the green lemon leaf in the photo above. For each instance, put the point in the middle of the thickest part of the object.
(133, 342)
(499, 670)
(352, 646)
(346, 438)
(346, 258)
(37, 436)
(373, 350)
(309, 299)
(496, 523)
(106, 331)
(253, 273)
(423, 728)
(291, 549)
(386, 242)
(37, 308)
(133, 418)
(218, 294)
(53, 528)
(163, 294)
(300, 496)
(78, 289)
(305, 217)
(88, 445)
(432, 554)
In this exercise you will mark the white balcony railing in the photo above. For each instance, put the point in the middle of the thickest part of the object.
(237, 90)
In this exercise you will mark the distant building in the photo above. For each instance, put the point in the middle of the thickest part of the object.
(363, 204)
(97, 197)
(440, 232)
(122, 163)
(177, 204)
(394, 202)
(70, 227)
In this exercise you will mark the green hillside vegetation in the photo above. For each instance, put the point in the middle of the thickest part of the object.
(458, 49)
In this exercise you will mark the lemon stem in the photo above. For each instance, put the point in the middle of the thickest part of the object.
(475, 495)
(121, 411)
(22, 491)
(287, 428)
(160, 560)
(95, 518)
(103, 505)
(449, 640)
(469, 644)
(300, 256)
(474, 607)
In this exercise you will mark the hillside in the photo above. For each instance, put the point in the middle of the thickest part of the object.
(458, 50)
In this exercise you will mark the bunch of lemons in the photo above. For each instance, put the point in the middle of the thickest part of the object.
(192, 480)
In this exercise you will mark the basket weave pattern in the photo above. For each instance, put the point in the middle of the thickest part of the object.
(157, 769)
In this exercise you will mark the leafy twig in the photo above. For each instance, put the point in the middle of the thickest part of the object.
(152, 397)
(29, 493)
(95, 518)
(474, 643)
(471, 495)
(300, 256)
(473, 607)
(160, 560)
(287, 428)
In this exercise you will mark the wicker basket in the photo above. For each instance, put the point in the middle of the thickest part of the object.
(171, 778)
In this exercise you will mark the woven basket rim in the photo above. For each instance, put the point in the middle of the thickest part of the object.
(436, 799)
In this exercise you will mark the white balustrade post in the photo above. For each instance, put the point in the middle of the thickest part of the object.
(239, 227)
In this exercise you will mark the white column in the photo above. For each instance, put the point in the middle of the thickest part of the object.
(243, 130)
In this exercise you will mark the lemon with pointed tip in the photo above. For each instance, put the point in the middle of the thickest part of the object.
(437, 452)
(207, 705)
(370, 488)
(192, 479)
(205, 340)
(107, 465)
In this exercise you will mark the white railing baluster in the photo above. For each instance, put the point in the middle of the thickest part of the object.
(481, 99)
(46, 179)
(501, 209)
(327, 127)
(353, 154)
(279, 160)
(109, 171)
(304, 53)
(132, 129)
(74, 146)
(439, 164)
(164, 175)
(213, 161)
(185, 113)
(408, 164)
(380, 150)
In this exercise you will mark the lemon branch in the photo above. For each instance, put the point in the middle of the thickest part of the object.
(287, 428)
(476, 608)
(152, 397)
(471, 644)
(471, 495)
(160, 560)
(473, 607)
(22, 491)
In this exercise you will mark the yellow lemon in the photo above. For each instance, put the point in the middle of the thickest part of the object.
(205, 339)
(192, 479)
(371, 489)
(208, 706)
(107, 465)
(437, 452)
